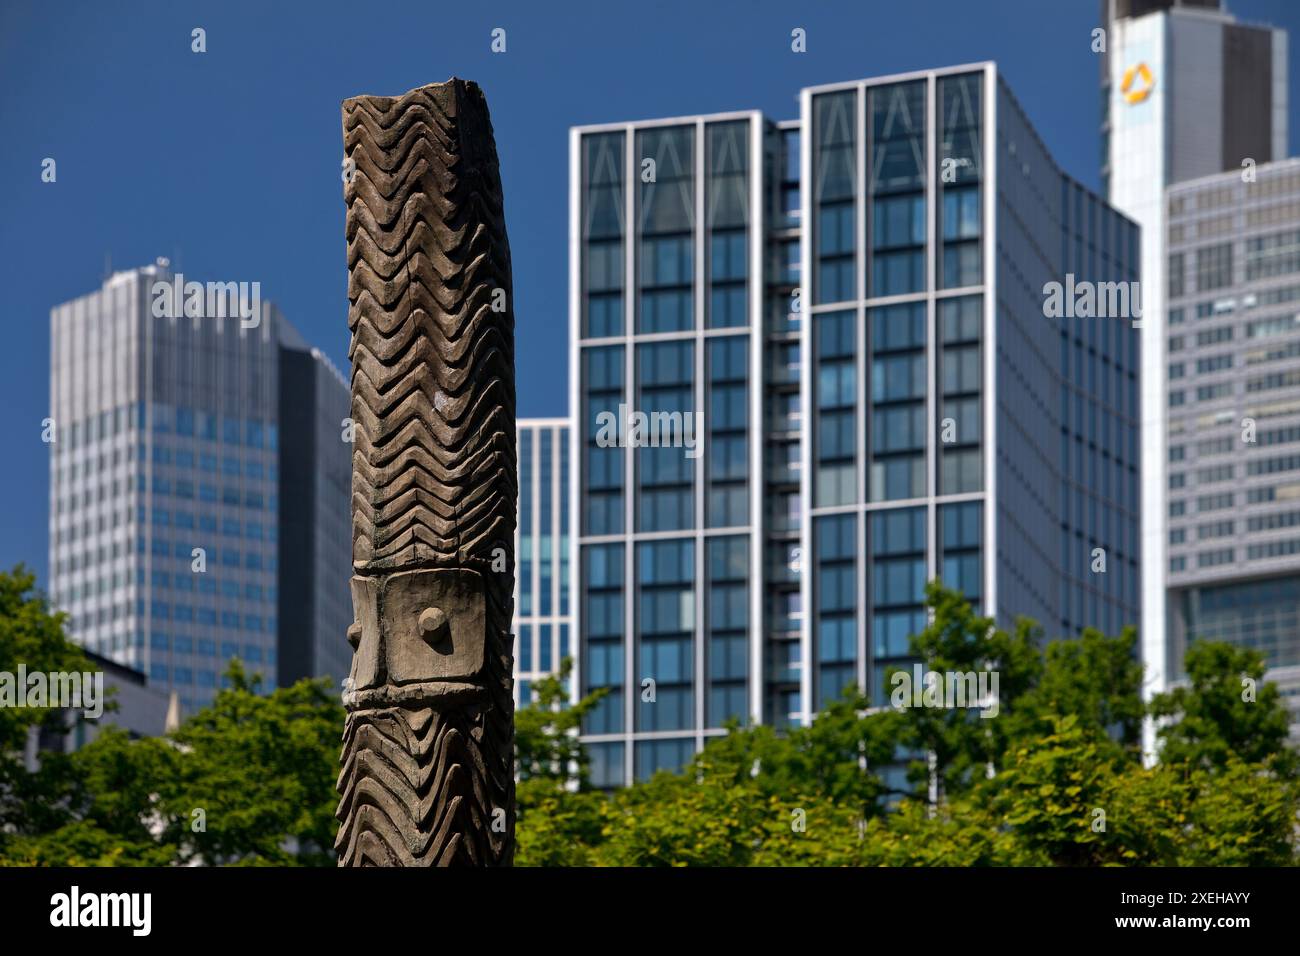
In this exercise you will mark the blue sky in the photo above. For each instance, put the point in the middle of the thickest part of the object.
(228, 162)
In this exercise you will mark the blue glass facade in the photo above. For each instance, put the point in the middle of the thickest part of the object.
(669, 524)
(167, 535)
(905, 408)
(542, 624)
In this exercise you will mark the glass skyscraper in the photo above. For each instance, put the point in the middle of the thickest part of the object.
(854, 302)
(169, 548)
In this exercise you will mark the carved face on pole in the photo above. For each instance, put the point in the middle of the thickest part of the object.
(428, 776)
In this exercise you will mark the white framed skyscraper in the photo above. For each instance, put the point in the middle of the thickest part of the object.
(959, 429)
(667, 249)
(897, 242)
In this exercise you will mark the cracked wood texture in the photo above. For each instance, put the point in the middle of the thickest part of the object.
(428, 766)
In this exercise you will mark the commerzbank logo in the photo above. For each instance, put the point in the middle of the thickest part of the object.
(1137, 83)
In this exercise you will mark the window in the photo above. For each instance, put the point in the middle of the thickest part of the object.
(834, 635)
(834, 347)
(1177, 278)
(727, 219)
(961, 460)
(602, 233)
(1214, 267)
(665, 629)
(603, 376)
(604, 628)
(666, 210)
(960, 156)
(728, 423)
(665, 474)
(728, 629)
(834, 187)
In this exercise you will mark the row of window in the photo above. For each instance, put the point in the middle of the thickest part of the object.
(228, 526)
(210, 617)
(896, 436)
(206, 584)
(1227, 444)
(1227, 556)
(210, 647)
(544, 654)
(892, 584)
(182, 488)
(664, 392)
(225, 557)
(1224, 500)
(168, 420)
(894, 230)
(1203, 393)
(665, 218)
(665, 622)
(199, 677)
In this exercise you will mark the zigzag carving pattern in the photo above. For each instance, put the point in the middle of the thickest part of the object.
(432, 363)
(434, 484)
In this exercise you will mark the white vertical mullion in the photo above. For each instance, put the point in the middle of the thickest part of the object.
(932, 449)
(146, 496)
(629, 459)
(861, 482)
(757, 445)
(988, 237)
(805, 402)
(700, 469)
(515, 622)
(577, 435)
(535, 493)
(554, 617)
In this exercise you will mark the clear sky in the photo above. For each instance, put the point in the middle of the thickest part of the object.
(228, 161)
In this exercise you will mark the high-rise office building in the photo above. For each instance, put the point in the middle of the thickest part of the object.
(542, 624)
(1233, 402)
(855, 304)
(1186, 92)
(167, 539)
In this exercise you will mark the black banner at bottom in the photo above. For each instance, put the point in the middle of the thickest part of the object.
(211, 905)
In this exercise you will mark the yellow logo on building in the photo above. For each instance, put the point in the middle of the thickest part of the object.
(1137, 83)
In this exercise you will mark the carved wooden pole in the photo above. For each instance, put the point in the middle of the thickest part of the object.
(428, 764)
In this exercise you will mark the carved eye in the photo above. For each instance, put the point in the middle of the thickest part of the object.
(434, 626)
(354, 634)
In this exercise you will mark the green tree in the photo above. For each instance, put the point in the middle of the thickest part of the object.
(961, 743)
(98, 806)
(1226, 712)
(248, 780)
(558, 819)
(1096, 679)
(262, 769)
(836, 756)
(32, 636)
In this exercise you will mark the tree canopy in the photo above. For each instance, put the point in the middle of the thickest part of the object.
(1052, 775)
